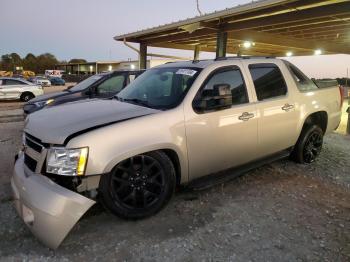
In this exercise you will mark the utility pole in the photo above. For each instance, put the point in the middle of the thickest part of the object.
(198, 9)
(348, 110)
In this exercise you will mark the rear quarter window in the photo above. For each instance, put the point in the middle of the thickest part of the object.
(302, 82)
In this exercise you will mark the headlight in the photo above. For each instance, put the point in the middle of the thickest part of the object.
(44, 103)
(40, 104)
(67, 162)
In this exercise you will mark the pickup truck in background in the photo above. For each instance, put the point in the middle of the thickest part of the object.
(174, 124)
(104, 85)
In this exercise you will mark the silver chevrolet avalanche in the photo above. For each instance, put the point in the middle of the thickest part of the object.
(174, 124)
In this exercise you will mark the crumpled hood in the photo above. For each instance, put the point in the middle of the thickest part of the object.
(53, 125)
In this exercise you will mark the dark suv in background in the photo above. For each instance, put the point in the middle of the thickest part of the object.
(104, 85)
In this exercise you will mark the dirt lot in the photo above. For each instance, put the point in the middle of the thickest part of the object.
(279, 212)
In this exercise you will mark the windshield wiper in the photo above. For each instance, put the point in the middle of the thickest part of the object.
(118, 98)
(135, 101)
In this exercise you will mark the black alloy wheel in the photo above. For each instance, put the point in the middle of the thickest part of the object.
(139, 186)
(312, 147)
(309, 145)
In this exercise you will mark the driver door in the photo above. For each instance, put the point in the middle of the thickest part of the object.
(226, 137)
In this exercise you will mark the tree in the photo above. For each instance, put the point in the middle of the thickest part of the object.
(17, 60)
(38, 64)
(10, 61)
(30, 62)
(46, 61)
(77, 61)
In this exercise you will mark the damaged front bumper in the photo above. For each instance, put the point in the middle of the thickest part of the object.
(49, 210)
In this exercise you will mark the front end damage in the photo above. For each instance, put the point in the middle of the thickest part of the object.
(49, 210)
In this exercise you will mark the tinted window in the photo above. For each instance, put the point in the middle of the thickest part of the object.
(234, 79)
(111, 85)
(302, 81)
(86, 83)
(268, 81)
(10, 82)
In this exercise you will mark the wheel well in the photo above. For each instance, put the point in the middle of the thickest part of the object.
(27, 92)
(319, 118)
(176, 162)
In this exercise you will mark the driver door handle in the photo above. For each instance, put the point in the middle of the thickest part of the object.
(246, 116)
(287, 107)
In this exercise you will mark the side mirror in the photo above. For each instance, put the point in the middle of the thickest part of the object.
(220, 97)
(89, 92)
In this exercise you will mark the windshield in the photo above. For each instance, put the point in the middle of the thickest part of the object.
(86, 83)
(161, 88)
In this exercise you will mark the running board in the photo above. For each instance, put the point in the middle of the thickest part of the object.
(229, 174)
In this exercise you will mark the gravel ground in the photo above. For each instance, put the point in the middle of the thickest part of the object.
(279, 212)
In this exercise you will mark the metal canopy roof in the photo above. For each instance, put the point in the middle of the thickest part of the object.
(274, 26)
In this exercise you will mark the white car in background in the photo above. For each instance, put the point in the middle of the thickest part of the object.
(43, 81)
(14, 88)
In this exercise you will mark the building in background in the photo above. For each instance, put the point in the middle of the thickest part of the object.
(90, 68)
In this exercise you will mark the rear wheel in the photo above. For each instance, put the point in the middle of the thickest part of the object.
(309, 145)
(25, 97)
(139, 186)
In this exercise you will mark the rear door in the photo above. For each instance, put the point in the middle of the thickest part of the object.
(217, 140)
(278, 119)
(12, 88)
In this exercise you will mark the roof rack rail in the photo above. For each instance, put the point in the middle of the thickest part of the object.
(242, 57)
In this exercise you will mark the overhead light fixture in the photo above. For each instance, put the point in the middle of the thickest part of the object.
(132, 66)
(289, 54)
(248, 44)
(318, 52)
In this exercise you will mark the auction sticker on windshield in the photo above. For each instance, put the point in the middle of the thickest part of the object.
(188, 72)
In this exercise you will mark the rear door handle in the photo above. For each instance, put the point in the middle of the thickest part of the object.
(287, 107)
(246, 116)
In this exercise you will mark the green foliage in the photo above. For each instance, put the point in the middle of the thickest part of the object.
(30, 62)
(77, 61)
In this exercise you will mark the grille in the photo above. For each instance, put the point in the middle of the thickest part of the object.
(30, 162)
(33, 145)
(33, 153)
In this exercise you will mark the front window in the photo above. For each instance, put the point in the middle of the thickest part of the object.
(112, 85)
(86, 83)
(11, 82)
(161, 88)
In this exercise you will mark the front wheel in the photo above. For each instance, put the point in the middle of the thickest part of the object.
(309, 145)
(140, 186)
(25, 97)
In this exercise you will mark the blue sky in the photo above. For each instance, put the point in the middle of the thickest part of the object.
(85, 28)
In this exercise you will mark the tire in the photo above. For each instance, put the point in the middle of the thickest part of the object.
(25, 97)
(140, 186)
(309, 145)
